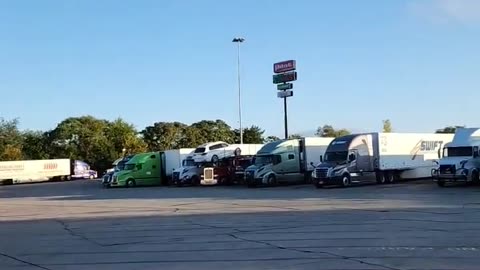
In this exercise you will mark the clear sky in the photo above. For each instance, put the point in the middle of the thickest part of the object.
(414, 62)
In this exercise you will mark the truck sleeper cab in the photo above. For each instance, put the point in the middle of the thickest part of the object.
(461, 159)
(379, 157)
(141, 170)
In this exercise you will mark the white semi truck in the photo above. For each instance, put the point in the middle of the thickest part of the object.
(461, 160)
(286, 161)
(380, 157)
(24, 171)
(174, 159)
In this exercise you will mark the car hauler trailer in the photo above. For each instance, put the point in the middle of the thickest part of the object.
(461, 160)
(286, 161)
(25, 171)
(380, 157)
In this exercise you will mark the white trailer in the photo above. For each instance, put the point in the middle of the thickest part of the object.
(12, 172)
(380, 157)
(174, 158)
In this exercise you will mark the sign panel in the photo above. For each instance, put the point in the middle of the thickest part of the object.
(285, 86)
(284, 94)
(285, 77)
(284, 66)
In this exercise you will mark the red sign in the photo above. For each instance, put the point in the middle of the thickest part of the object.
(284, 66)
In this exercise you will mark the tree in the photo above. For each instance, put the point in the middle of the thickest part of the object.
(83, 138)
(449, 129)
(295, 136)
(329, 131)
(164, 135)
(271, 138)
(253, 134)
(387, 126)
(35, 145)
(10, 140)
(123, 135)
(217, 130)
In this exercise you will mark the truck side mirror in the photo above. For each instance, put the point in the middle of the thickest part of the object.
(351, 157)
(311, 163)
(321, 158)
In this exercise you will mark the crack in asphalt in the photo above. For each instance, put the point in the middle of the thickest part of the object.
(311, 252)
(25, 262)
(74, 234)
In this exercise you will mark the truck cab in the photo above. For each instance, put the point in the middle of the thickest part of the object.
(141, 170)
(188, 173)
(273, 163)
(227, 171)
(460, 160)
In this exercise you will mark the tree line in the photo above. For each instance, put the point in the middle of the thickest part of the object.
(99, 142)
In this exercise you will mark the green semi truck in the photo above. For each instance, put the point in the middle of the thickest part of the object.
(146, 169)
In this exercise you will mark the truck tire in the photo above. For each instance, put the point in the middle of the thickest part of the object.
(441, 183)
(389, 177)
(346, 181)
(215, 159)
(272, 180)
(237, 152)
(380, 178)
(131, 183)
(475, 178)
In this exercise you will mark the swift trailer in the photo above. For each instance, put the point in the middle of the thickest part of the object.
(26, 171)
(461, 160)
(380, 157)
(286, 161)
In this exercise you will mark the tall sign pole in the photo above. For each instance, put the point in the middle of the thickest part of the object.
(284, 74)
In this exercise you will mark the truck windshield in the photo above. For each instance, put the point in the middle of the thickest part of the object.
(188, 163)
(339, 156)
(262, 160)
(129, 166)
(466, 151)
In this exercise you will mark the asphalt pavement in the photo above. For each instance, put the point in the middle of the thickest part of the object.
(79, 225)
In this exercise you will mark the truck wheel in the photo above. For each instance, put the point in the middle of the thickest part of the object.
(389, 177)
(237, 152)
(440, 183)
(91, 177)
(475, 177)
(272, 180)
(346, 180)
(380, 178)
(195, 180)
(131, 183)
(215, 159)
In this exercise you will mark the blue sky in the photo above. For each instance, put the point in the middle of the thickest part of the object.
(414, 62)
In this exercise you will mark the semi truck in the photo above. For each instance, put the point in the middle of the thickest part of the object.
(145, 169)
(25, 171)
(460, 161)
(379, 157)
(286, 161)
(174, 159)
(227, 171)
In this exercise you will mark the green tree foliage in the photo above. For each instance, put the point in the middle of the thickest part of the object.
(164, 135)
(387, 126)
(35, 145)
(10, 140)
(271, 139)
(123, 136)
(449, 129)
(329, 131)
(253, 134)
(295, 136)
(217, 130)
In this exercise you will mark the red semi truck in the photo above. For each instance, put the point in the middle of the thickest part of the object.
(226, 172)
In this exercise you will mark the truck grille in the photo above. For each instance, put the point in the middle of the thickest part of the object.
(321, 172)
(176, 176)
(447, 169)
(208, 173)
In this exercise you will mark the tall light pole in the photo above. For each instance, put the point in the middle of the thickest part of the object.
(239, 40)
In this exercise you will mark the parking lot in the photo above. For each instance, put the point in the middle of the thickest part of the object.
(79, 225)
